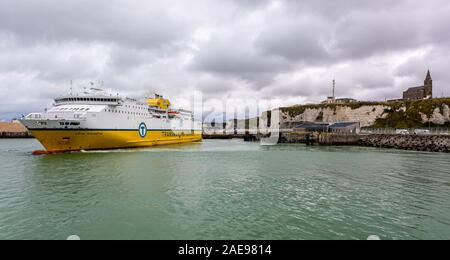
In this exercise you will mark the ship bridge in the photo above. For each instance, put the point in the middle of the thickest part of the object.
(89, 100)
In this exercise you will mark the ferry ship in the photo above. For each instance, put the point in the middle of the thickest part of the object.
(95, 120)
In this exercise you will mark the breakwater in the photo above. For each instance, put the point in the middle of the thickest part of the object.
(429, 143)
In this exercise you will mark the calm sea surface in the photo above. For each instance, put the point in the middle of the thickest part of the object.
(224, 190)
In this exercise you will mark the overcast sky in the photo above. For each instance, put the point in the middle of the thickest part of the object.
(286, 50)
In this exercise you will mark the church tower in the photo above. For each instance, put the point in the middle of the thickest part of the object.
(428, 86)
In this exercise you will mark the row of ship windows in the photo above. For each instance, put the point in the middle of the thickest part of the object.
(130, 113)
(141, 114)
(69, 123)
(89, 99)
(72, 109)
(135, 107)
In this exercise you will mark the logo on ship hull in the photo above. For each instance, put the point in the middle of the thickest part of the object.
(143, 130)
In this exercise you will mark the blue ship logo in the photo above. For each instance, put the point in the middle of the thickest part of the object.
(143, 130)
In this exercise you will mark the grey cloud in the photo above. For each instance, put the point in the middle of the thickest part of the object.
(239, 62)
(134, 23)
(243, 48)
(303, 39)
(437, 25)
(212, 86)
(53, 62)
(369, 34)
(413, 67)
(228, 60)
(122, 58)
(252, 4)
(305, 87)
(295, 40)
(338, 9)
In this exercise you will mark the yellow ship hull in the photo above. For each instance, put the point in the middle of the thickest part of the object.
(76, 140)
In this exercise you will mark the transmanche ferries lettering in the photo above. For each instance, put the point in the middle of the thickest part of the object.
(95, 121)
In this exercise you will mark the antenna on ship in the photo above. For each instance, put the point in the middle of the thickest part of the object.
(71, 88)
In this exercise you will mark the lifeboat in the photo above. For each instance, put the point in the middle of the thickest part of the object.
(173, 113)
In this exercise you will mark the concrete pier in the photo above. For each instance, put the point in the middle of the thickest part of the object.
(13, 130)
(316, 138)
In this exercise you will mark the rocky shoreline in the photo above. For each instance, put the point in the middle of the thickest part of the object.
(428, 143)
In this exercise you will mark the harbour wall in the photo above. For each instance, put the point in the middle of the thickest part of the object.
(15, 135)
(13, 130)
(319, 138)
(428, 143)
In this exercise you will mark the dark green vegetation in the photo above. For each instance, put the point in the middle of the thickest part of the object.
(411, 118)
(320, 117)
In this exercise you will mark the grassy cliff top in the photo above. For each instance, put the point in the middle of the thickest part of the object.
(425, 106)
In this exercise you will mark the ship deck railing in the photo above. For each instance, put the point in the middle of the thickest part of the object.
(56, 117)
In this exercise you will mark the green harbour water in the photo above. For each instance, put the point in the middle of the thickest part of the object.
(224, 189)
